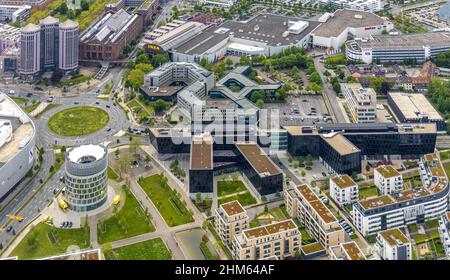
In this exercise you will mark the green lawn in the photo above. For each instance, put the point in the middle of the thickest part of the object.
(172, 209)
(45, 240)
(31, 108)
(245, 199)
(432, 224)
(77, 121)
(412, 228)
(208, 255)
(229, 187)
(306, 237)
(447, 168)
(112, 174)
(129, 221)
(19, 100)
(48, 108)
(368, 192)
(445, 155)
(153, 249)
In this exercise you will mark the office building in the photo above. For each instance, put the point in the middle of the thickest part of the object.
(360, 102)
(345, 23)
(68, 46)
(410, 206)
(302, 203)
(343, 190)
(348, 251)
(393, 245)
(281, 239)
(17, 141)
(30, 52)
(444, 232)
(86, 178)
(14, 13)
(201, 166)
(9, 49)
(230, 219)
(411, 48)
(415, 108)
(388, 180)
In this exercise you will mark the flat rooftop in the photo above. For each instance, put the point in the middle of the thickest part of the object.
(270, 229)
(341, 144)
(414, 106)
(344, 18)
(377, 202)
(408, 41)
(394, 237)
(201, 152)
(258, 159)
(85, 255)
(263, 29)
(387, 171)
(316, 204)
(344, 181)
(161, 91)
(232, 208)
(353, 251)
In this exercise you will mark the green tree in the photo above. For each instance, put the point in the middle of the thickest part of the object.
(160, 105)
(63, 9)
(136, 78)
(260, 103)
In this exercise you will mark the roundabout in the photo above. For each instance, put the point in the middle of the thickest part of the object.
(78, 121)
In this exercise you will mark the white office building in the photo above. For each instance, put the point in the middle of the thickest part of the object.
(360, 102)
(14, 13)
(388, 180)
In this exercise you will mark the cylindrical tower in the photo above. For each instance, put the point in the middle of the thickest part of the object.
(68, 46)
(30, 51)
(50, 33)
(86, 177)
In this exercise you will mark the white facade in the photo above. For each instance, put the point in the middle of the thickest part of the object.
(361, 102)
(343, 190)
(68, 46)
(14, 12)
(388, 180)
(230, 220)
(30, 51)
(444, 233)
(393, 245)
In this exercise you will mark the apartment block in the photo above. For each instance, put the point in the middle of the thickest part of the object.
(444, 232)
(348, 251)
(343, 190)
(388, 180)
(392, 244)
(302, 203)
(280, 240)
(361, 102)
(230, 220)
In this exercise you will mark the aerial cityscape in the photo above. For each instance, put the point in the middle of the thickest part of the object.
(224, 130)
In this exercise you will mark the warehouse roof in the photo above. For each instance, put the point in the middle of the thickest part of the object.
(413, 106)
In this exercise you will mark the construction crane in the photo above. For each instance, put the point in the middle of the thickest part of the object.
(15, 218)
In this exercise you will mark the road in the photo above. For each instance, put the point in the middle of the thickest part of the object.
(395, 9)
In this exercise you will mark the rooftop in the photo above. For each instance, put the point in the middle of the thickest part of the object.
(270, 229)
(414, 106)
(316, 204)
(258, 159)
(341, 144)
(387, 171)
(201, 152)
(84, 255)
(408, 41)
(376, 202)
(342, 19)
(343, 181)
(353, 251)
(232, 208)
(82, 153)
(394, 237)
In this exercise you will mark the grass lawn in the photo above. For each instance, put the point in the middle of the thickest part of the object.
(19, 100)
(254, 223)
(445, 155)
(420, 238)
(31, 108)
(129, 221)
(48, 108)
(112, 174)
(432, 224)
(229, 187)
(368, 192)
(245, 199)
(225, 249)
(77, 121)
(205, 250)
(413, 228)
(306, 237)
(447, 168)
(153, 249)
(45, 240)
(169, 205)
(137, 109)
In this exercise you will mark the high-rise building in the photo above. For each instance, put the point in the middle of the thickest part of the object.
(49, 43)
(68, 46)
(30, 48)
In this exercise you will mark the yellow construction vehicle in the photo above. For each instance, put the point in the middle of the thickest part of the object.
(63, 204)
(116, 200)
(15, 218)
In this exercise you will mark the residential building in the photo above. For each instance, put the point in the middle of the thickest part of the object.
(348, 251)
(444, 232)
(281, 239)
(388, 180)
(343, 190)
(410, 206)
(302, 203)
(360, 102)
(393, 244)
(230, 220)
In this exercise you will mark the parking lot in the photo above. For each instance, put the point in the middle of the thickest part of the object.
(302, 110)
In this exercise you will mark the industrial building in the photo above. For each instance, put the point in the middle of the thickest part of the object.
(263, 34)
(345, 24)
(105, 39)
(17, 141)
(415, 108)
(86, 178)
(413, 48)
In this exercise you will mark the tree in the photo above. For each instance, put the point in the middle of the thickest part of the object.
(303, 173)
(315, 78)
(259, 103)
(142, 58)
(144, 67)
(159, 59)
(136, 78)
(229, 62)
(198, 197)
(309, 159)
(316, 88)
(354, 175)
(160, 105)
(124, 165)
(63, 8)
(84, 5)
